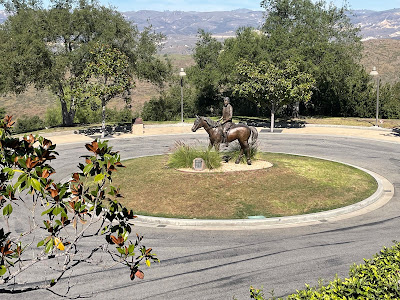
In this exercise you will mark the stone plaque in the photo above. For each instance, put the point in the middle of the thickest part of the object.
(199, 164)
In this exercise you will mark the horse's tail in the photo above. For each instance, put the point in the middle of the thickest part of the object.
(253, 135)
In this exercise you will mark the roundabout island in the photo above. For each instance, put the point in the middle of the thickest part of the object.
(276, 190)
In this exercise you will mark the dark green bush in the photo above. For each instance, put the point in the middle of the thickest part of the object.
(377, 278)
(29, 124)
(2, 112)
(118, 116)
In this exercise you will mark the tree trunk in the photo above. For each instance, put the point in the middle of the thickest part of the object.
(296, 110)
(67, 116)
(272, 117)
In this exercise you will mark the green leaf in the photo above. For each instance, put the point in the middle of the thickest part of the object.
(57, 210)
(47, 211)
(7, 210)
(87, 168)
(120, 250)
(49, 246)
(40, 244)
(98, 177)
(3, 270)
(36, 184)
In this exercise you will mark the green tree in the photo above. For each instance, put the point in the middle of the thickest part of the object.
(105, 76)
(47, 47)
(272, 86)
(205, 75)
(321, 38)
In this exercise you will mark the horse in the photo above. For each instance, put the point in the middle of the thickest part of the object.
(240, 132)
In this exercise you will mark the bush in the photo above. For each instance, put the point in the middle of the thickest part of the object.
(118, 116)
(29, 124)
(377, 278)
(168, 105)
(234, 151)
(184, 155)
(2, 112)
(53, 117)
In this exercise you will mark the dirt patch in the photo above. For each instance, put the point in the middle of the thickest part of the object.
(232, 167)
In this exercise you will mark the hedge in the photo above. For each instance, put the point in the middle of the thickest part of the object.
(376, 278)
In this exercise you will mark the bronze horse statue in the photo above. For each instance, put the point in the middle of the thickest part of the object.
(240, 132)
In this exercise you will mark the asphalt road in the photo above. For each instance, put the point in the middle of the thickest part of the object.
(213, 264)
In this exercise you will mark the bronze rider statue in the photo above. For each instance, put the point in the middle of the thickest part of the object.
(227, 115)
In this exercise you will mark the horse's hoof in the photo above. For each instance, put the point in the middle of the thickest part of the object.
(249, 162)
(237, 162)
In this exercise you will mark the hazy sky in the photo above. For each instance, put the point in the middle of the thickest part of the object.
(213, 5)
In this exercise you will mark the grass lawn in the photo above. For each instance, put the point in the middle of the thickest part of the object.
(294, 185)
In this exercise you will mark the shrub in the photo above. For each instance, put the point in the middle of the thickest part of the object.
(184, 155)
(2, 112)
(53, 117)
(377, 278)
(118, 116)
(234, 151)
(74, 215)
(29, 124)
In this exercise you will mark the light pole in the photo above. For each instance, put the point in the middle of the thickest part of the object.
(182, 74)
(375, 73)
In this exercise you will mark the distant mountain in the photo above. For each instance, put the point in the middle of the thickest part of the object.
(181, 27)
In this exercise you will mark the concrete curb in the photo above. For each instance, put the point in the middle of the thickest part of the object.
(382, 195)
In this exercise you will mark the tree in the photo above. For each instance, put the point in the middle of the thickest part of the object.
(60, 218)
(47, 47)
(105, 76)
(321, 38)
(272, 86)
(205, 75)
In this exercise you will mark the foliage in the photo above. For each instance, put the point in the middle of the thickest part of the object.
(2, 112)
(322, 39)
(234, 151)
(389, 98)
(168, 105)
(205, 75)
(272, 86)
(53, 117)
(377, 278)
(46, 47)
(184, 155)
(71, 214)
(105, 76)
(29, 124)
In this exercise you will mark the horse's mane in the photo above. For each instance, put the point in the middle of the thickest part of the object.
(210, 122)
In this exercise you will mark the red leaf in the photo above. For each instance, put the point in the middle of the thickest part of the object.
(139, 274)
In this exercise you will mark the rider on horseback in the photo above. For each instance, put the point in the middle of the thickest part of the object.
(227, 115)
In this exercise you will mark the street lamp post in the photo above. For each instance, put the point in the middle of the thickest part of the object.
(375, 73)
(182, 74)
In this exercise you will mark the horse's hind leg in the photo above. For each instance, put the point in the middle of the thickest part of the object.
(246, 148)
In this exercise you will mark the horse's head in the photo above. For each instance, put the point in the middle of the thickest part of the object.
(197, 123)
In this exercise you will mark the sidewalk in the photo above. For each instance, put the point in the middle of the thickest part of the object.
(350, 131)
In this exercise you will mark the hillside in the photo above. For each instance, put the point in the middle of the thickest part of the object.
(384, 54)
